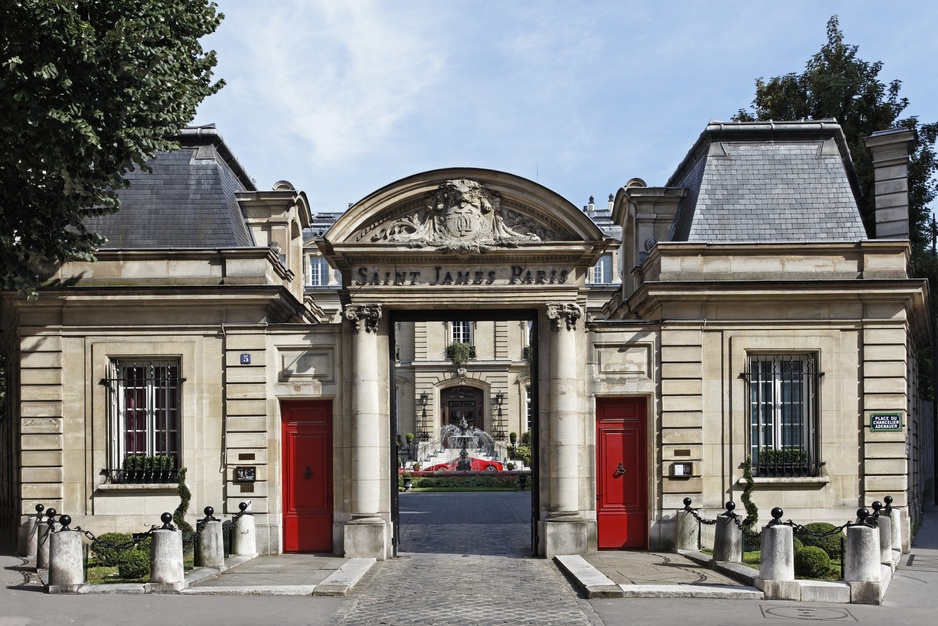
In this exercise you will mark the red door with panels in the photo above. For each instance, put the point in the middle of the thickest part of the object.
(622, 473)
(307, 476)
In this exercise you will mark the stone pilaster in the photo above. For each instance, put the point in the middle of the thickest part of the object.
(365, 534)
(565, 529)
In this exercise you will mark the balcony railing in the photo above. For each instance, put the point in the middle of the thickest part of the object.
(142, 477)
(786, 463)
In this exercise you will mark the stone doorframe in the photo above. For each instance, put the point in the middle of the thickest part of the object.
(466, 240)
(564, 529)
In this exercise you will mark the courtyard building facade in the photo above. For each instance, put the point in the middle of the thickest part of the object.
(657, 346)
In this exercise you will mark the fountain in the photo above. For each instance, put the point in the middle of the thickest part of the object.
(464, 437)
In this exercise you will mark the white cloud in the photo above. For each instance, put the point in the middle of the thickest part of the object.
(343, 97)
(339, 74)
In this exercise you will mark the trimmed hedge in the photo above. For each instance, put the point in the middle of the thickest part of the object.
(109, 546)
(830, 543)
(472, 480)
(134, 564)
(812, 562)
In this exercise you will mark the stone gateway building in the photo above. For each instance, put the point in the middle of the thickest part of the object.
(739, 316)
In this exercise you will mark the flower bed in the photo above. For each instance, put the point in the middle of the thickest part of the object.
(462, 480)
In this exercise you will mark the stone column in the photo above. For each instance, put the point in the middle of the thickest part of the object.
(565, 528)
(365, 535)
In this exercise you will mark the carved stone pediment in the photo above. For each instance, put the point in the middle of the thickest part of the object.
(461, 215)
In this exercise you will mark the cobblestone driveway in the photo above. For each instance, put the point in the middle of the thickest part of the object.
(465, 560)
(472, 589)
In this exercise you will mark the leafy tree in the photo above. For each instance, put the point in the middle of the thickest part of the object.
(88, 91)
(836, 83)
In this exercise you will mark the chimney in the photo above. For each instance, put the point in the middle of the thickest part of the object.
(890, 150)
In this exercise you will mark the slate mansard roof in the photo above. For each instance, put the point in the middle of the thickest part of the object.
(768, 182)
(188, 201)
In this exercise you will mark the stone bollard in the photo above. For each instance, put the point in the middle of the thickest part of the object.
(28, 539)
(166, 561)
(42, 539)
(862, 569)
(728, 542)
(210, 550)
(66, 565)
(884, 525)
(777, 568)
(685, 529)
(897, 516)
(243, 540)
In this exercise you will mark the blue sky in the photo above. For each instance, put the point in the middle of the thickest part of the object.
(344, 97)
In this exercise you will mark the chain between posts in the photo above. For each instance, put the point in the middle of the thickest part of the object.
(864, 518)
(687, 502)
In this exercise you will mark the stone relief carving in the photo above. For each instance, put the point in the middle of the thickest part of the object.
(563, 315)
(460, 216)
(364, 317)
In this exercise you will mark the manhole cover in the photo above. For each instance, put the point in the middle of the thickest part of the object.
(807, 613)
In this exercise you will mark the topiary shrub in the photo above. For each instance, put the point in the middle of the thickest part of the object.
(134, 564)
(179, 515)
(752, 511)
(829, 543)
(796, 543)
(107, 547)
(812, 562)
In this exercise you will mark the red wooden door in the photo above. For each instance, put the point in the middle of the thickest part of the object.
(307, 476)
(621, 491)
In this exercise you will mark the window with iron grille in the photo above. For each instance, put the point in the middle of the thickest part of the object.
(145, 420)
(783, 414)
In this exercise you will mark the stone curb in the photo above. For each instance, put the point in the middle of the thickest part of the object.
(589, 580)
(341, 581)
(722, 592)
(257, 590)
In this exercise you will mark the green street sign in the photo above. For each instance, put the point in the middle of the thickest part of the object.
(886, 422)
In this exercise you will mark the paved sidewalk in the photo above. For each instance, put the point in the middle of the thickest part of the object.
(284, 574)
(443, 533)
(915, 582)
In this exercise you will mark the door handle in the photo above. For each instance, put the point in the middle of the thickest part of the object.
(620, 471)
(307, 473)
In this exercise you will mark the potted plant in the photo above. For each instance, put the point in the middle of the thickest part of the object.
(408, 480)
(510, 466)
(513, 437)
(459, 353)
(129, 467)
(417, 467)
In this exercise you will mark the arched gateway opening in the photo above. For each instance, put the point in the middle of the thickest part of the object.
(458, 247)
